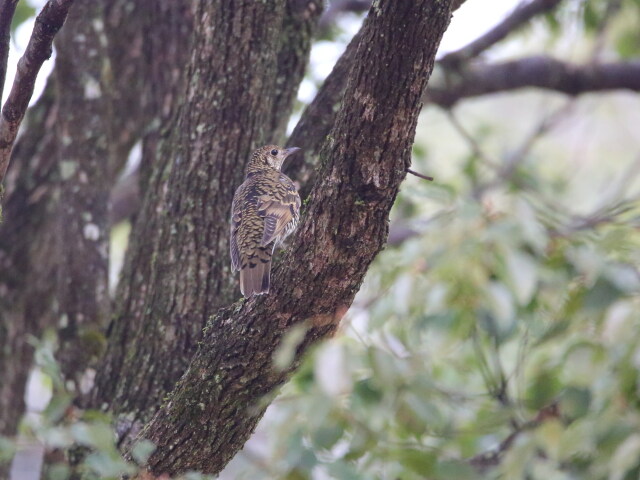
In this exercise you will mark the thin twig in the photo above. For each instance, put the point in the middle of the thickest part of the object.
(473, 144)
(519, 17)
(419, 175)
(487, 460)
(7, 9)
(48, 23)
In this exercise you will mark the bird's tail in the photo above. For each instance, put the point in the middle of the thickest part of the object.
(255, 277)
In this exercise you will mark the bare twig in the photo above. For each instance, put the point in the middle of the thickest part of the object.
(487, 460)
(419, 175)
(7, 9)
(538, 71)
(471, 141)
(519, 17)
(48, 23)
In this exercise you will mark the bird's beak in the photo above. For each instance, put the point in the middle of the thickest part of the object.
(290, 151)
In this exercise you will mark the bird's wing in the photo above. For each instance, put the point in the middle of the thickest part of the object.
(277, 213)
(236, 217)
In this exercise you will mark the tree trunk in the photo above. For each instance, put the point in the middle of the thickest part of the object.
(177, 271)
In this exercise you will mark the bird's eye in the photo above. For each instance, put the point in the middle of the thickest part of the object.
(274, 152)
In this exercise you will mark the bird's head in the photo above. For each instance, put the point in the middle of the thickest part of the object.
(270, 156)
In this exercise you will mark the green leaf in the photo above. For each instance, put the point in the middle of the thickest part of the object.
(7, 449)
(601, 295)
(327, 435)
(454, 469)
(97, 435)
(285, 353)
(24, 11)
(109, 465)
(419, 461)
(545, 387)
(575, 402)
(142, 450)
(626, 457)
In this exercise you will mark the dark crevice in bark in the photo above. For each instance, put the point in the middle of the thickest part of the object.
(298, 29)
(317, 119)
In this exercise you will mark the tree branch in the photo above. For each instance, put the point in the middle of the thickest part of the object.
(48, 23)
(485, 461)
(220, 398)
(540, 72)
(7, 9)
(519, 17)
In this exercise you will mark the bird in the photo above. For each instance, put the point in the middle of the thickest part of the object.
(265, 210)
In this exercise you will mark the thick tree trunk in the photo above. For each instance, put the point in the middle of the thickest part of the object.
(177, 272)
(219, 400)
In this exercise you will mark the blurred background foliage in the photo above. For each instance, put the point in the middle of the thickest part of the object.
(498, 335)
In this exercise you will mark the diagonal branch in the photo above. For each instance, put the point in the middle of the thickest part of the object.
(540, 72)
(518, 18)
(7, 9)
(48, 23)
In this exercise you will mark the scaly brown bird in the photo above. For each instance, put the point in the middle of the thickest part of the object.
(265, 210)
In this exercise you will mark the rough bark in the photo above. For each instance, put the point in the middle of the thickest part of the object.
(219, 400)
(177, 270)
(25, 292)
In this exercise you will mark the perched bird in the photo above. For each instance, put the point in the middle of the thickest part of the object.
(265, 210)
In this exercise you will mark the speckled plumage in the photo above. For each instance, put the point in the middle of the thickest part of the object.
(265, 210)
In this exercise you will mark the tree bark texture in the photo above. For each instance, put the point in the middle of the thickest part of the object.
(219, 400)
(177, 271)
(35, 238)
(26, 292)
